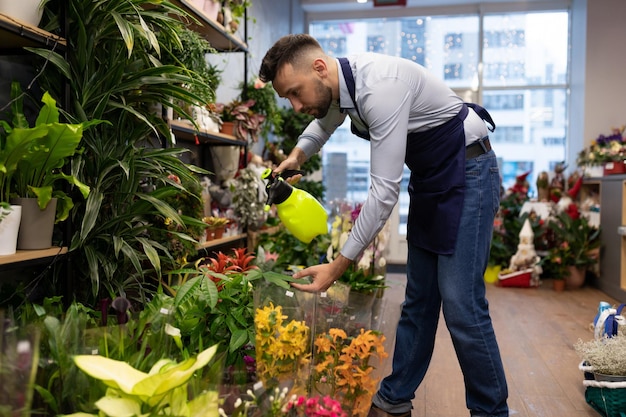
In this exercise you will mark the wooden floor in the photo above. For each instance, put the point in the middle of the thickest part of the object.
(536, 329)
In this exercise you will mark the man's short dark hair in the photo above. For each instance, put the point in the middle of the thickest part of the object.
(288, 49)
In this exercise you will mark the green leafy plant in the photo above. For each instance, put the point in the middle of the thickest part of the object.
(574, 243)
(248, 122)
(126, 161)
(214, 302)
(161, 391)
(246, 204)
(282, 250)
(32, 158)
(265, 103)
(189, 51)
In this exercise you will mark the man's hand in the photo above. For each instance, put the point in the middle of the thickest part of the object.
(323, 275)
(292, 162)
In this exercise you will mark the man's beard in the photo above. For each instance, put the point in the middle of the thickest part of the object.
(321, 107)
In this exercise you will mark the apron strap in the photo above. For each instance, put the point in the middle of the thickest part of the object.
(349, 77)
(483, 114)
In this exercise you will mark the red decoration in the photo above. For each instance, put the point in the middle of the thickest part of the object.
(573, 192)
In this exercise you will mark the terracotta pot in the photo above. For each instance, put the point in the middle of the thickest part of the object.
(575, 278)
(228, 128)
(218, 232)
(558, 285)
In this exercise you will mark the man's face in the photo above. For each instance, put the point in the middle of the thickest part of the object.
(305, 90)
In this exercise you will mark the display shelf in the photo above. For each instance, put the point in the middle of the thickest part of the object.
(254, 236)
(222, 241)
(214, 32)
(184, 130)
(17, 34)
(32, 255)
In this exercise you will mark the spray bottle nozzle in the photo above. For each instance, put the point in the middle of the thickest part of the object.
(278, 190)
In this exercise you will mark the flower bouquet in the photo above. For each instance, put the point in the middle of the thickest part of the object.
(318, 345)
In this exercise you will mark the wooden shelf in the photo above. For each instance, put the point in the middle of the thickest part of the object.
(214, 32)
(222, 241)
(31, 255)
(17, 34)
(184, 130)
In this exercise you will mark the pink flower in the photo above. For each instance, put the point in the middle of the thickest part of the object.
(258, 84)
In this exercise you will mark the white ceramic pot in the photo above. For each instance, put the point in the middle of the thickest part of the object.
(29, 11)
(9, 228)
(212, 8)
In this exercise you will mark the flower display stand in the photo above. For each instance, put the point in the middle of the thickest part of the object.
(593, 171)
(327, 345)
(614, 168)
(522, 278)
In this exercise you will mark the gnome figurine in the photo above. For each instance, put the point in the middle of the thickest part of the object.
(526, 257)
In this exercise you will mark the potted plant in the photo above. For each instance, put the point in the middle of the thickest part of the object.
(234, 11)
(606, 357)
(265, 104)
(163, 390)
(127, 159)
(215, 226)
(574, 248)
(246, 122)
(35, 158)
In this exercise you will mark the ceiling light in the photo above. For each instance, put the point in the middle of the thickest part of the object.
(361, 1)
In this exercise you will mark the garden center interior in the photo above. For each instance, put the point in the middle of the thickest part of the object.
(160, 245)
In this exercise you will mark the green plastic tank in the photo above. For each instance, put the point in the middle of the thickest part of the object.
(298, 210)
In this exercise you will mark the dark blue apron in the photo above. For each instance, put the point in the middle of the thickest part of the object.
(436, 159)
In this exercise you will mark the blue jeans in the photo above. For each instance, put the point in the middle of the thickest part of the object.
(456, 284)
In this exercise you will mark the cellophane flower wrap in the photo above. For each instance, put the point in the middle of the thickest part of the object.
(326, 345)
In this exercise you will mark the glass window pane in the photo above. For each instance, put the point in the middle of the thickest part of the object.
(531, 130)
(524, 86)
(525, 49)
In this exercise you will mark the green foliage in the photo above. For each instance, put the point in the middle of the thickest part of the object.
(189, 51)
(507, 227)
(291, 252)
(266, 104)
(573, 245)
(32, 158)
(114, 74)
(161, 391)
(181, 240)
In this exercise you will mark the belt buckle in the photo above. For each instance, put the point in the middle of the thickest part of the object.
(481, 142)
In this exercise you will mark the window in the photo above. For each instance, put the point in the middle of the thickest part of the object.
(523, 84)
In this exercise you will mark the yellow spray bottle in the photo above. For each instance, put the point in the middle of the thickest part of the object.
(299, 211)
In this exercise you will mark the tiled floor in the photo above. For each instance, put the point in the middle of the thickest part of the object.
(536, 329)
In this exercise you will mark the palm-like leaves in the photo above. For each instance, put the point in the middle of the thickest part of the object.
(114, 74)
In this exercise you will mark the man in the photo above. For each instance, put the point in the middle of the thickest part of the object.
(410, 117)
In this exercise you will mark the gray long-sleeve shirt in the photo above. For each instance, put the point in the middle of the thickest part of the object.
(395, 96)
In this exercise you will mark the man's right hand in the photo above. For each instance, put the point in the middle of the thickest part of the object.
(292, 162)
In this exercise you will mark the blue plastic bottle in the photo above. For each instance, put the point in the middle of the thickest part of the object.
(298, 210)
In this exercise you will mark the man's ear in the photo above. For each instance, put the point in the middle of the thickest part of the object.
(320, 67)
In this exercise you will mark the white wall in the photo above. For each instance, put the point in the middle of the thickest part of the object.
(605, 69)
(267, 21)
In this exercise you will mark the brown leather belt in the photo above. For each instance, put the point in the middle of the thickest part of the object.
(477, 148)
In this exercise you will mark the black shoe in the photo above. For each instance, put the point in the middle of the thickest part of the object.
(377, 412)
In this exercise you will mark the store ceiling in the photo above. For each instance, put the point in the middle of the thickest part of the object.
(322, 6)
